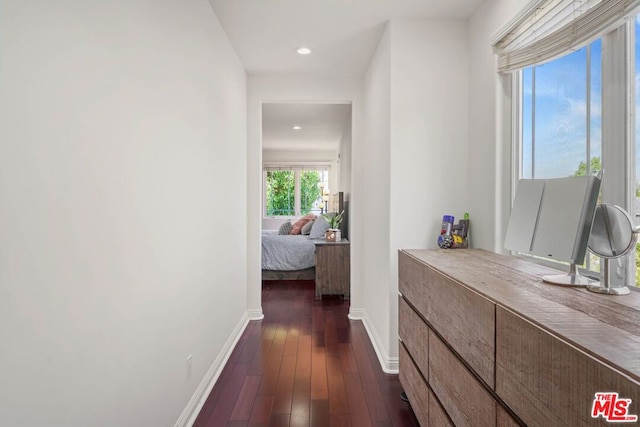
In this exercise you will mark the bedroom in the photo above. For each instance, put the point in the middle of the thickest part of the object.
(306, 153)
(108, 116)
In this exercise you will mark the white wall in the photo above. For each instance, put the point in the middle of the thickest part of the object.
(489, 144)
(376, 244)
(416, 134)
(122, 126)
(344, 160)
(282, 88)
(324, 156)
(429, 104)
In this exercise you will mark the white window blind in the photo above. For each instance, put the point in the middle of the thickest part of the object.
(295, 167)
(551, 28)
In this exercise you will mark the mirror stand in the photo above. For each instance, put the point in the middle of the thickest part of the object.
(606, 288)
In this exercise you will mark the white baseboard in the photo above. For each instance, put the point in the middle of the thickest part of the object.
(191, 411)
(356, 313)
(255, 314)
(390, 365)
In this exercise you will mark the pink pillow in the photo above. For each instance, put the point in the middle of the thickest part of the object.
(297, 226)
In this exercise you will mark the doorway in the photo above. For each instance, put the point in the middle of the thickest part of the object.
(306, 162)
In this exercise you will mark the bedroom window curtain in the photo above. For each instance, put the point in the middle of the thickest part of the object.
(548, 29)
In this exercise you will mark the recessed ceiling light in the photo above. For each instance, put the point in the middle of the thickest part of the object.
(303, 50)
(296, 127)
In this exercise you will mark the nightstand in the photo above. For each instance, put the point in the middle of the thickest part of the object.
(333, 268)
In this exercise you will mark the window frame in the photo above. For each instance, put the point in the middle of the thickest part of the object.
(297, 168)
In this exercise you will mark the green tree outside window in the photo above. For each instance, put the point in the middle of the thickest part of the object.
(281, 192)
(309, 190)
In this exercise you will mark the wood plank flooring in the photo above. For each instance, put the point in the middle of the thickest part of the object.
(304, 364)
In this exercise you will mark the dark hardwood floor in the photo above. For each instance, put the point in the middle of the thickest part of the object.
(304, 364)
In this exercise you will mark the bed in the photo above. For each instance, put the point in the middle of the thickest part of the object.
(287, 252)
(292, 257)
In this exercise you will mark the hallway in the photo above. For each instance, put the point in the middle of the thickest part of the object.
(304, 364)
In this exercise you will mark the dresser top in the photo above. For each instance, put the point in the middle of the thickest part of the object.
(605, 326)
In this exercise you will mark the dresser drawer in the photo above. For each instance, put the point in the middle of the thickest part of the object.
(414, 333)
(462, 396)
(465, 319)
(548, 382)
(437, 415)
(428, 410)
(415, 387)
(504, 419)
(412, 281)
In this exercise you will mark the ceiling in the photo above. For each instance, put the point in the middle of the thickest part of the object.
(322, 126)
(342, 34)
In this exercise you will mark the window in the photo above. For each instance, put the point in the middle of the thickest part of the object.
(560, 131)
(280, 193)
(294, 190)
(575, 112)
(561, 125)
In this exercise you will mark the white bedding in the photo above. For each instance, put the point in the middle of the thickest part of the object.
(286, 252)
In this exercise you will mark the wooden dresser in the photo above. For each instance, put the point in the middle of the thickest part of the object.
(484, 342)
(333, 272)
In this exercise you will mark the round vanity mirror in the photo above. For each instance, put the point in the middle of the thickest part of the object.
(612, 236)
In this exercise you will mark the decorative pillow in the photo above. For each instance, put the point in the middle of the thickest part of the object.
(320, 226)
(285, 228)
(306, 229)
(297, 226)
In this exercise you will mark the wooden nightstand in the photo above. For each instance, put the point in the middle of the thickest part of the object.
(333, 268)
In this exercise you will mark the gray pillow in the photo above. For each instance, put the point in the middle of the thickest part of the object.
(320, 226)
(285, 228)
(306, 229)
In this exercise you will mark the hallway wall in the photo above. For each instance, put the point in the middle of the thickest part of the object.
(122, 131)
